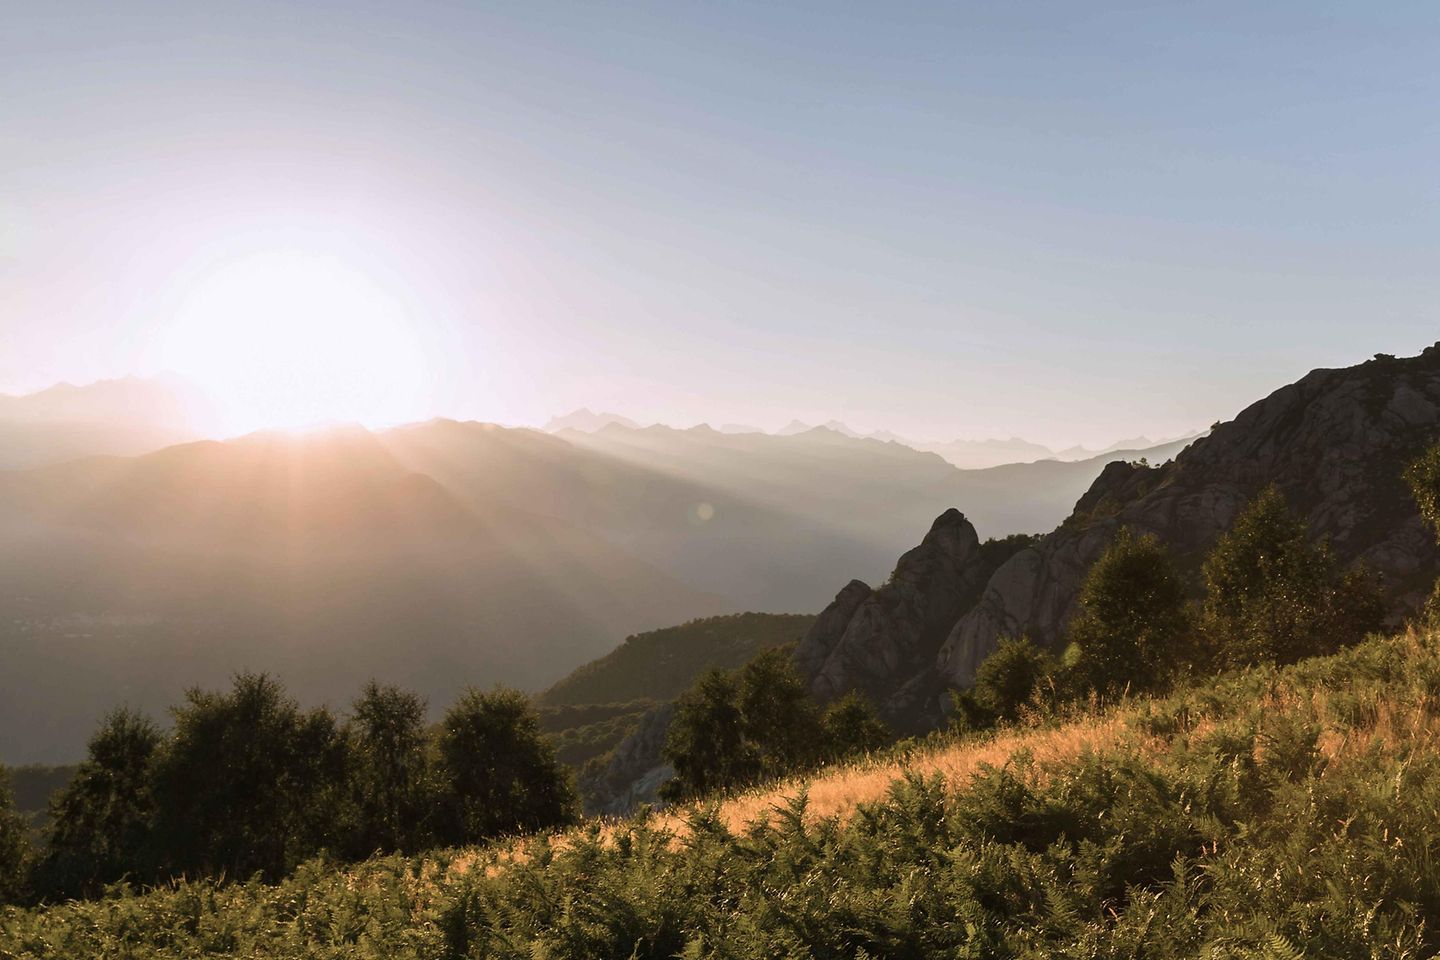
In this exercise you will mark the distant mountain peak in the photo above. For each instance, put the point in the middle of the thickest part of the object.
(587, 421)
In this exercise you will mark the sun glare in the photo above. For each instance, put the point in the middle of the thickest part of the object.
(295, 339)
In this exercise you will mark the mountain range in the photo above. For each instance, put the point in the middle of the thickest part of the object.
(1335, 443)
(965, 454)
(435, 554)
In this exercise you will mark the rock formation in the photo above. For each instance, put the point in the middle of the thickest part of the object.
(867, 639)
(1335, 443)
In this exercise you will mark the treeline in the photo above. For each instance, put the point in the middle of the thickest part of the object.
(1269, 595)
(247, 783)
(741, 727)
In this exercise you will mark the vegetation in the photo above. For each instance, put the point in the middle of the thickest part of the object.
(1423, 478)
(734, 729)
(1273, 813)
(1272, 596)
(498, 775)
(248, 784)
(661, 664)
(1132, 622)
(14, 844)
(1004, 682)
(586, 732)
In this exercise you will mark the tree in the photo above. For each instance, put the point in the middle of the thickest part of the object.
(852, 726)
(1423, 477)
(1272, 596)
(1132, 621)
(781, 721)
(14, 845)
(706, 742)
(389, 770)
(102, 824)
(250, 783)
(732, 729)
(497, 773)
(1008, 677)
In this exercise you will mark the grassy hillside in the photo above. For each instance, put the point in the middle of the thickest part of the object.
(660, 664)
(1271, 813)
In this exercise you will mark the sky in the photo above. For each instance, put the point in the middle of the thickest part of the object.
(1071, 222)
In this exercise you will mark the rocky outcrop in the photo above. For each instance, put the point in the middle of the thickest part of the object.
(877, 642)
(1335, 443)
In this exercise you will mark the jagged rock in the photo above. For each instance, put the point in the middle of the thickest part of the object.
(1335, 443)
(878, 641)
(825, 633)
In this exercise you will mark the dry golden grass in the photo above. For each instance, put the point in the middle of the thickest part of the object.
(1393, 721)
(838, 790)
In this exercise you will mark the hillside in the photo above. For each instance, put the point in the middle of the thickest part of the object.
(1268, 813)
(660, 664)
(122, 417)
(318, 557)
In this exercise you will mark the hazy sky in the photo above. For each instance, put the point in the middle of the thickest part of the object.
(1070, 221)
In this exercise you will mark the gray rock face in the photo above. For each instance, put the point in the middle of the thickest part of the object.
(878, 641)
(1335, 443)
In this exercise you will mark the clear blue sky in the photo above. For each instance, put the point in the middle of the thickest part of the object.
(1069, 221)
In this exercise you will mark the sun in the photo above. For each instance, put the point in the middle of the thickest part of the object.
(291, 339)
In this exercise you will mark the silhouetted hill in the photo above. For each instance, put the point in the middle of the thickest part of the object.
(661, 664)
(120, 417)
(319, 557)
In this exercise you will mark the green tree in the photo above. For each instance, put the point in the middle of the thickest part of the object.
(1272, 596)
(852, 726)
(498, 775)
(389, 770)
(102, 823)
(250, 782)
(14, 845)
(706, 742)
(1423, 477)
(781, 721)
(1004, 681)
(1131, 624)
(732, 729)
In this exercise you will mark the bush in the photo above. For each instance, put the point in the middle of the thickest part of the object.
(102, 823)
(852, 727)
(1132, 624)
(734, 729)
(497, 773)
(14, 845)
(1272, 596)
(249, 783)
(389, 771)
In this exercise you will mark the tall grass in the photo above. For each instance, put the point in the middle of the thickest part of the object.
(1270, 813)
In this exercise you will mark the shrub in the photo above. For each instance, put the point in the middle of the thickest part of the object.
(1273, 596)
(102, 823)
(389, 771)
(14, 845)
(733, 729)
(1132, 623)
(497, 773)
(249, 783)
